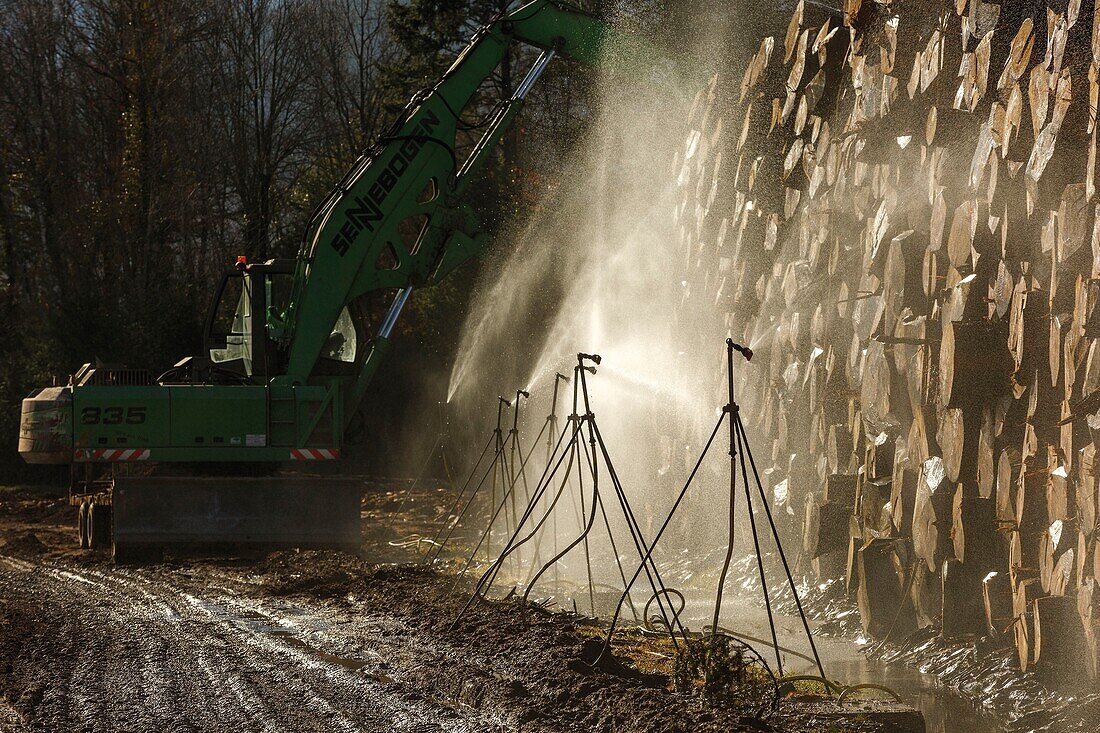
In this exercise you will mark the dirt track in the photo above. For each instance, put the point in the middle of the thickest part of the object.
(301, 642)
(117, 649)
(304, 644)
(145, 649)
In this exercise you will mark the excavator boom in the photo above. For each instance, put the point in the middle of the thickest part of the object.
(399, 219)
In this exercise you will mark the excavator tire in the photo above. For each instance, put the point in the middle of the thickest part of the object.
(82, 526)
(99, 526)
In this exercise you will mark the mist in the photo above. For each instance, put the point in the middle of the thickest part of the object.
(608, 266)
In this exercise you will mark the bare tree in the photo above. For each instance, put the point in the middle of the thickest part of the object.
(354, 100)
(35, 114)
(260, 59)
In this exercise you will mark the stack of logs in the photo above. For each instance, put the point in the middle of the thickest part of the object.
(896, 206)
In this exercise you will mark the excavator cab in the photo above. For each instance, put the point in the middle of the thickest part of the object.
(235, 341)
(254, 350)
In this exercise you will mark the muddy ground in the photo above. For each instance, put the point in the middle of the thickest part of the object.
(313, 641)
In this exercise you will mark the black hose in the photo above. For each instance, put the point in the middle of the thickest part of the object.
(675, 611)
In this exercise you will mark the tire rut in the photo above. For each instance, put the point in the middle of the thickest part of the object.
(146, 649)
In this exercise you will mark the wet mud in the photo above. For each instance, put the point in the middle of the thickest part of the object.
(312, 641)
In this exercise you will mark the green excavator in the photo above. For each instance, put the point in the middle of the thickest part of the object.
(291, 345)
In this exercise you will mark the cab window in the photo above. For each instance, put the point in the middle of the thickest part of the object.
(340, 345)
(232, 325)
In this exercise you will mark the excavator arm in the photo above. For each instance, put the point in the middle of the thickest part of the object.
(399, 219)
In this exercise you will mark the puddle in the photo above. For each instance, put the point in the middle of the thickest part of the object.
(944, 710)
(354, 665)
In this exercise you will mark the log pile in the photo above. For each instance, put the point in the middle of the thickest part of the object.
(896, 206)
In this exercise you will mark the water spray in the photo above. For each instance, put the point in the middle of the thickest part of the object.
(440, 448)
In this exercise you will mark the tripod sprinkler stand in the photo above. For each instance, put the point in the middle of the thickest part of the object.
(737, 429)
(734, 411)
(439, 541)
(514, 447)
(552, 423)
(501, 403)
(552, 418)
(579, 379)
(444, 441)
(507, 489)
(739, 446)
(593, 451)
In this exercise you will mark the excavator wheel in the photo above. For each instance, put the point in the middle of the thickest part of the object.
(99, 526)
(82, 526)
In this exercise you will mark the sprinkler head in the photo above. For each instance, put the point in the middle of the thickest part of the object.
(745, 351)
(522, 392)
(590, 357)
(559, 375)
(506, 402)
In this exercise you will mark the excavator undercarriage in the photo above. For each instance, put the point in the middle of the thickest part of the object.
(138, 518)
